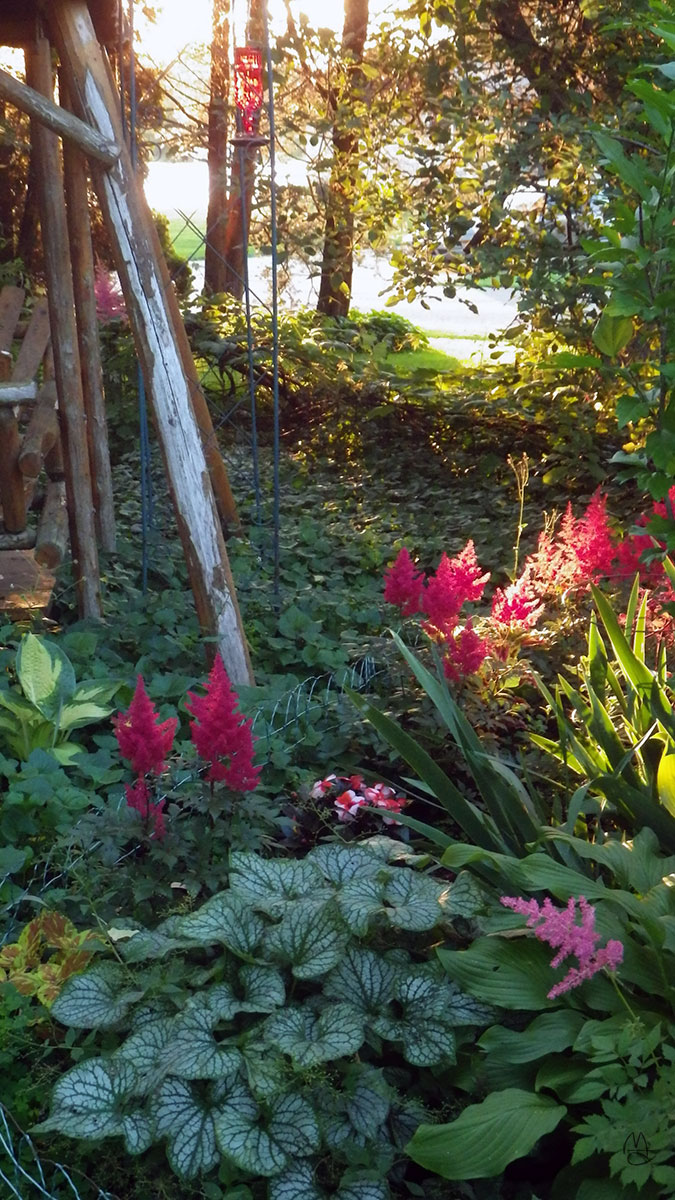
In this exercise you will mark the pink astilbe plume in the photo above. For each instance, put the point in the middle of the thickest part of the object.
(221, 734)
(109, 300)
(559, 928)
(143, 739)
(403, 584)
(582, 551)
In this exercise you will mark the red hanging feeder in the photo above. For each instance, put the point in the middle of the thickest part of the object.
(248, 92)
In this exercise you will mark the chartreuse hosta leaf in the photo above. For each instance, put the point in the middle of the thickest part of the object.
(310, 940)
(97, 999)
(95, 1099)
(269, 884)
(406, 900)
(486, 1137)
(226, 918)
(310, 1039)
(187, 1125)
(261, 1144)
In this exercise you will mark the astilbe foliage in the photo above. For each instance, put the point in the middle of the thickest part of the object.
(221, 734)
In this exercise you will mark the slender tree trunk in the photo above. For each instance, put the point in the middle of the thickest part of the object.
(338, 247)
(215, 264)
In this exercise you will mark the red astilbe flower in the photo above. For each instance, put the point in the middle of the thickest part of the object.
(221, 734)
(403, 584)
(456, 581)
(582, 551)
(595, 544)
(143, 739)
(516, 606)
(152, 811)
(463, 653)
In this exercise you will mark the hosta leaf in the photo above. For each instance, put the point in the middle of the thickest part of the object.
(45, 674)
(188, 1126)
(310, 1039)
(268, 884)
(466, 898)
(486, 1137)
(297, 1183)
(339, 864)
(310, 940)
(194, 1052)
(548, 1033)
(98, 999)
(92, 1100)
(499, 972)
(364, 978)
(225, 918)
(292, 1131)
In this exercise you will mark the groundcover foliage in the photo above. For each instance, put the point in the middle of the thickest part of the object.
(280, 1027)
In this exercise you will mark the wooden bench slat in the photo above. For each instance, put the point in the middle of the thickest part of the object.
(34, 345)
(11, 303)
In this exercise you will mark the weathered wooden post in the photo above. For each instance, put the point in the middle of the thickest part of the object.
(159, 341)
(82, 258)
(64, 338)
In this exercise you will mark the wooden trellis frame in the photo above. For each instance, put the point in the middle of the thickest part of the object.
(195, 471)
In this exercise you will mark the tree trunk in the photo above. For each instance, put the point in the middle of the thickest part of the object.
(215, 262)
(338, 247)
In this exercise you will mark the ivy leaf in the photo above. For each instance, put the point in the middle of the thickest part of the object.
(98, 999)
(92, 1100)
(292, 1131)
(364, 978)
(311, 941)
(225, 918)
(268, 884)
(188, 1125)
(339, 864)
(194, 1052)
(309, 1039)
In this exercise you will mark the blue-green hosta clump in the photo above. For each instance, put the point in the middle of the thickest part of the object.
(280, 1025)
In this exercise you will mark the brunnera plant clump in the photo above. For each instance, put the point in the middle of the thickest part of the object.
(279, 1029)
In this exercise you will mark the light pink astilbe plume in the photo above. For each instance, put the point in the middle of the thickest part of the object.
(558, 927)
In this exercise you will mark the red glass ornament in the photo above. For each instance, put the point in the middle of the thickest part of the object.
(248, 87)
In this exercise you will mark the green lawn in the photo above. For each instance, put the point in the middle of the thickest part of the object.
(186, 241)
